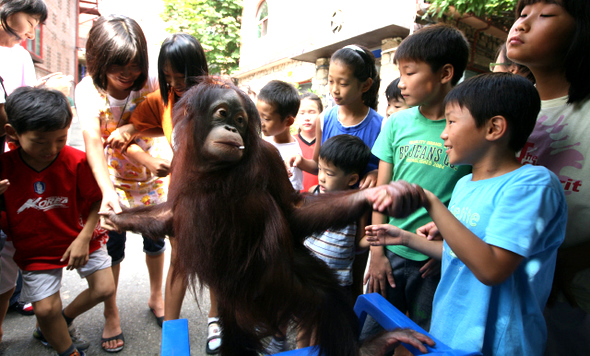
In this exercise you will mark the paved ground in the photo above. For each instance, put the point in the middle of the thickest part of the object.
(142, 334)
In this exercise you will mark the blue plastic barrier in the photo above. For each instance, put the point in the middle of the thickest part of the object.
(175, 339)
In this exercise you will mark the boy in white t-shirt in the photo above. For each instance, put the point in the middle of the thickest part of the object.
(278, 104)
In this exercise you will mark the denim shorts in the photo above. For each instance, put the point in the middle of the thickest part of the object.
(116, 246)
(412, 293)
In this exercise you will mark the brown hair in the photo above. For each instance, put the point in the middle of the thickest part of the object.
(115, 40)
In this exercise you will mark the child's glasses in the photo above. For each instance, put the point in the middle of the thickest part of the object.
(493, 65)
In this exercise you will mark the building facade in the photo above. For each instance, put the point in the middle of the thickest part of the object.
(54, 46)
(293, 40)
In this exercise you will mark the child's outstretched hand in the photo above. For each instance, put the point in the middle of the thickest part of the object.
(398, 199)
(384, 234)
(4, 185)
(77, 254)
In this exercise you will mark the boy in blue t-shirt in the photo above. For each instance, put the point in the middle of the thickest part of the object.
(503, 226)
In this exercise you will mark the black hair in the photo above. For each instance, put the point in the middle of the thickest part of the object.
(185, 55)
(346, 152)
(362, 63)
(505, 94)
(520, 69)
(311, 96)
(283, 96)
(115, 40)
(37, 109)
(30, 7)
(393, 92)
(436, 45)
(577, 56)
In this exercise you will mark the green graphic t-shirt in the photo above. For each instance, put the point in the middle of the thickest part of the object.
(412, 144)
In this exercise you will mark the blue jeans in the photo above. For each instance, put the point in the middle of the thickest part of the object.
(116, 246)
(412, 293)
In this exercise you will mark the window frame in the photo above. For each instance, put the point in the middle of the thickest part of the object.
(261, 23)
(38, 41)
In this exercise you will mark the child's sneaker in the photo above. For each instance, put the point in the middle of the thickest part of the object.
(37, 334)
(77, 340)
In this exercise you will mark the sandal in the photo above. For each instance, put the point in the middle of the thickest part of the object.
(116, 337)
(159, 319)
(213, 337)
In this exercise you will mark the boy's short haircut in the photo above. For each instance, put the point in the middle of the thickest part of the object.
(38, 109)
(500, 94)
(346, 152)
(283, 96)
(436, 45)
(313, 97)
(393, 92)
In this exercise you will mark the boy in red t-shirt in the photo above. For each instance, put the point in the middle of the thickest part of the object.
(50, 204)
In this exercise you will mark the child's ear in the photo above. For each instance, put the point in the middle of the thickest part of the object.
(496, 128)
(289, 120)
(353, 178)
(446, 73)
(367, 85)
(10, 132)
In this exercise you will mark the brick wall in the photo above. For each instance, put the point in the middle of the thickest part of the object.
(59, 39)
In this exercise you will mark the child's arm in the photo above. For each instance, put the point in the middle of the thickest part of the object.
(4, 185)
(310, 165)
(490, 264)
(98, 164)
(379, 271)
(156, 165)
(77, 252)
(385, 234)
(361, 242)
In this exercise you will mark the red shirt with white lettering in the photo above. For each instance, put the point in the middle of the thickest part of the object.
(45, 211)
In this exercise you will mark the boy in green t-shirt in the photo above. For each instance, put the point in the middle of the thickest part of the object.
(431, 62)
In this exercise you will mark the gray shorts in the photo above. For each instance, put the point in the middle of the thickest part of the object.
(8, 268)
(38, 285)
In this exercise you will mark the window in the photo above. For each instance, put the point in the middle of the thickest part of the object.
(35, 47)
(262, 19)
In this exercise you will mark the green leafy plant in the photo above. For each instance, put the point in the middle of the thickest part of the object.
(484, 9)
(215, 23)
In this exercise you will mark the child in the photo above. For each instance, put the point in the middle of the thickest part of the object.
(504, 64)
(431, 62)
(353, 81)
(395, 100)
(342, 160)
(310, 109)
(52, 185)
(278, 104)
(503, 226)
(180, 62)
(116, 55)
(550, 38)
